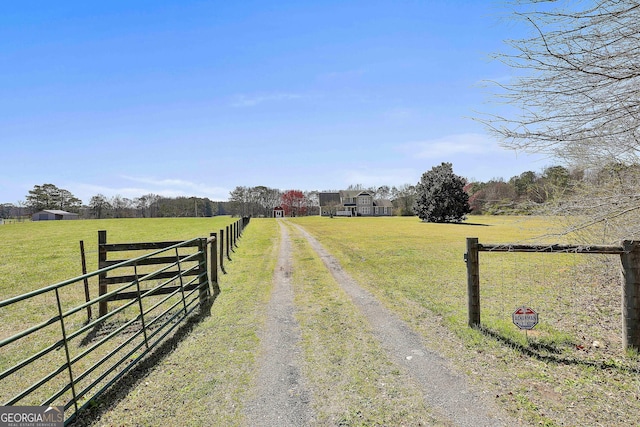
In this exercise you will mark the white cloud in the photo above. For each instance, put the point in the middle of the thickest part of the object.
(182, 187)
(466, 143)
(253, 100)
(86, 191)
(162, 187)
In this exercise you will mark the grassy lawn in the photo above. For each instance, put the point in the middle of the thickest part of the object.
(550, 376)
(34, 255)
(417, 270)
(41, 253)
(351, 376)
(204, 379)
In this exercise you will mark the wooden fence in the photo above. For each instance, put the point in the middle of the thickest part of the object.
(170, 263)
(61, 359)
(629, 252)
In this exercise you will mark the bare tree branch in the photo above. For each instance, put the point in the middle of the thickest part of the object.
(575, 96)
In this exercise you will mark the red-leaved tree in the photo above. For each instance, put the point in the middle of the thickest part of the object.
(294, 203)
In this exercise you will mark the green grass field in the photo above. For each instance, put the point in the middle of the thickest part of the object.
(404, 259)
(36, 254)
(417, 270)
(550, 376)
(205, 377)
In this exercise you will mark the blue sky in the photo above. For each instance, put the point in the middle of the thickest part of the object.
(194, 98)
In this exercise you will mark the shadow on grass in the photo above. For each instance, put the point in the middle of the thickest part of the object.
(553, 354)
(104, 328)
(119, 390)
(473, 224)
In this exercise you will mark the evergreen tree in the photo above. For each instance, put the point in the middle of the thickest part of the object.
(48, 196)
(440, 196)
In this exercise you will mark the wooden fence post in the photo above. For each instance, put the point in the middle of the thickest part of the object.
(233, 236)
(213, 264)
(631, 294)
(473, 281)
(222, 251)
(234, 231)
(203, 284)
(227, 242)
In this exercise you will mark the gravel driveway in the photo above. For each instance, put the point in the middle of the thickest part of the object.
(282, 399)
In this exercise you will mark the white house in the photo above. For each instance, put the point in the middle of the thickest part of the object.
(53, 214)
(353, 203)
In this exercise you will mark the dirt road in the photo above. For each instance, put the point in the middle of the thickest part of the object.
(282, 398)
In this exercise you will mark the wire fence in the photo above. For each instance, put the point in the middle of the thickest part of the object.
(574, 292)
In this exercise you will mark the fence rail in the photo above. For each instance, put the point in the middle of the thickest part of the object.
(66, 358)
(629, 252)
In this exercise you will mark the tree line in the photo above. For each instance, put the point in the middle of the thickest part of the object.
(257, 201)
(50, 197)
(260, 200)
(527, 193)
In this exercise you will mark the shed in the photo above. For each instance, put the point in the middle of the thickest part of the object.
(53, 214)
(278, 212)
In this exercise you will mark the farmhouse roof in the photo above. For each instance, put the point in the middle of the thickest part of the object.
(58, 212)
(354, 193)
(326, 198)
(383, 202)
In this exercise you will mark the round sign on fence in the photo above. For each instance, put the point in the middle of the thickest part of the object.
(525, 318)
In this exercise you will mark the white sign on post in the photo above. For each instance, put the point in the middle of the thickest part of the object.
(525, 318)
